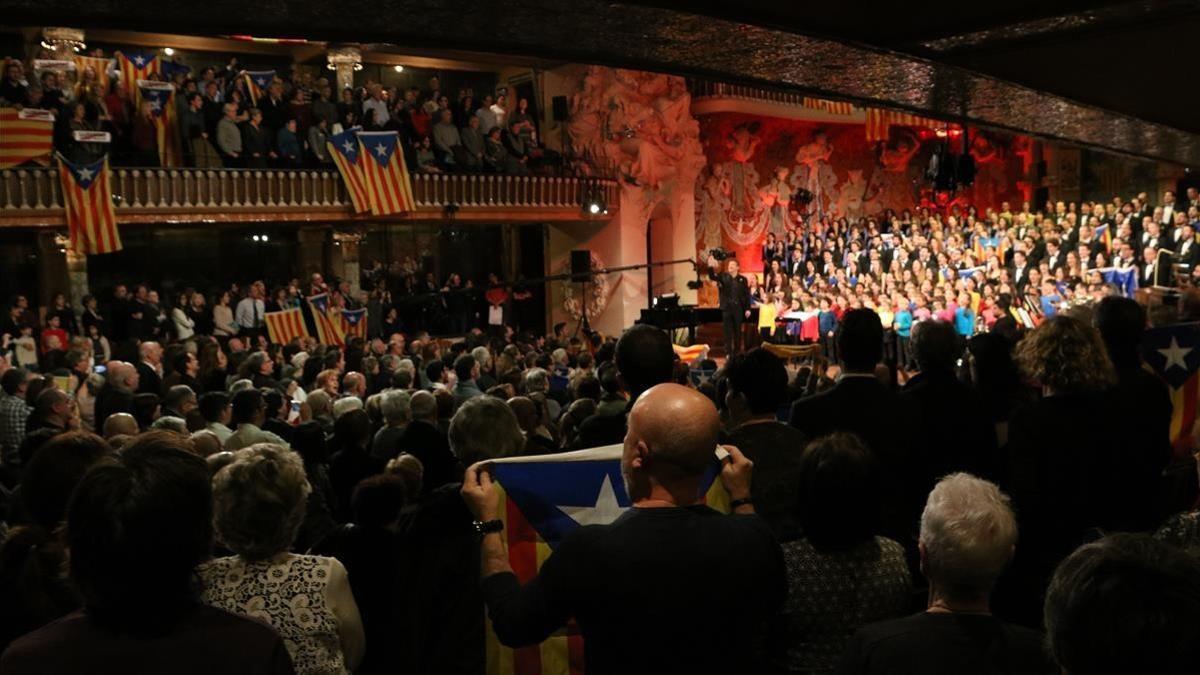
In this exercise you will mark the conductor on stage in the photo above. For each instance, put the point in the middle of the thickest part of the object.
(734, 300)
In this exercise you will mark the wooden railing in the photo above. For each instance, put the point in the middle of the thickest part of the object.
(29, 192)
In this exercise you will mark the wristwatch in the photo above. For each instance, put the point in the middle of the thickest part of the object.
(487, 527)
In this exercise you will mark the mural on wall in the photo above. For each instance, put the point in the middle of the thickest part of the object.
(757, 164)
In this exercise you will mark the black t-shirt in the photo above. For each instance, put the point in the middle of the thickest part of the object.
(946, 644)
(681, 590)
(206, 640)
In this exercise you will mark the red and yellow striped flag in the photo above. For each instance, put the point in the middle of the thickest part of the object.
(343, 148)
(134, 66)
(285, 326)
(329, 330)
(25, 136)
(354, 323)
(98, 65)
(161, 96)
(91, 218)
(389, 189)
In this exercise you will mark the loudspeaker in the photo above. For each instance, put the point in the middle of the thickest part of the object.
(581, 265)
(561, 112)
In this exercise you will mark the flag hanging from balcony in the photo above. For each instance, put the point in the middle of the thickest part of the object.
(98, 65)
(285, 326)
(91, 218)
(389, 189)
(328, 326)
(136, 66)
(25, 136)
(354, 323)
(257, 82)
(161, 96)
(343, 148)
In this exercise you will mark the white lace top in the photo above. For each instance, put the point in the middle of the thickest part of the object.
(288, 593)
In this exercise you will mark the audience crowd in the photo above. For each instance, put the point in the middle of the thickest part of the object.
(284, 123)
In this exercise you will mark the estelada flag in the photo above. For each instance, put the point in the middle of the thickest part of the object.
(285, 326)
(135, 66)
(25, 136)
(1174, 354)
(91, 218)
(354, 323)
(161, 96)
(328, 330)
(343, 148)
(543, 499)
(389, 189)
(257, 82)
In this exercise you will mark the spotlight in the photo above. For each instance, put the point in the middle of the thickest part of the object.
(593, 208)
(169, 51)
(398, 68)
(264, 237)
(255, 237)
(593, 203)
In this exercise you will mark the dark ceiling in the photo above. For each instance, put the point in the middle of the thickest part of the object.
(1137, 58)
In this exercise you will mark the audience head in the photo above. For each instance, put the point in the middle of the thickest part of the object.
(122, 424)
(756, 384)
(839, 492)
(396, 407)
(659, 450)
(378, 500)
(968, 534)
(1065, 356)
(1125, 604)
(484, 428)
(424, 407)
(1121, 322)
(860, 340)
(137, 526)
(259, 501)
(248, 407)
(466, 368)
(53, 472)
(936, 346)
(644, 358)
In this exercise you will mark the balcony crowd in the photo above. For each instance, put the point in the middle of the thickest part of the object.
(1020, 513)
(287, 127)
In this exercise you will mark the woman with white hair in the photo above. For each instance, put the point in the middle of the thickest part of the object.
(258, 506)
(968, 536)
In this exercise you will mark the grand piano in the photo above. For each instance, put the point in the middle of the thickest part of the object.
(673, 317)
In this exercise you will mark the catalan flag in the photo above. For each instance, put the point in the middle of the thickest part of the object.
(692, 353)
(98, 65)
(136, 66)
(91, 218)
(388, 187)
(354, 323)
(1174, 354)
(543, 499)
(161, 96)
(1104, 233)
(329, 332)
(257, 82)
(285, 326)
(343, 148)
(25, 136)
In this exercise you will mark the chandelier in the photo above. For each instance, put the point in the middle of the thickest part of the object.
(57, 38)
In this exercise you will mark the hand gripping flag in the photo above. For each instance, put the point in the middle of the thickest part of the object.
(91, 218)
(543, 499)
(161, 96)
(25, 136)
(1174, 354)
(328, 330)
(285, 326)
(354, 323)
(343, 148)
(135, 66)
(257, 82)
(388, 187)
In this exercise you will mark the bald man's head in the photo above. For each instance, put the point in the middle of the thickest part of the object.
(672, 436)
(119, 424)
(526, 412)
(122, 375)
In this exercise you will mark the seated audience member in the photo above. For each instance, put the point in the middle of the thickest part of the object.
(844, 408)
(258, 505)
(956, 433)
(1125, 604)
(756, 391)
(968, 534)
(137, 527)
(667, 550)
(1059, 475)
(538, 440)
(396, 408)
(248, 413)
(424, 440)
(1145, 405)
(841, 576)
(217, 413)
(116, 396)
(644, 358)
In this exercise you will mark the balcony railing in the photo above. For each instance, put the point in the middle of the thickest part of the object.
(33, 192)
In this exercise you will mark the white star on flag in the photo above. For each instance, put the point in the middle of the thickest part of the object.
(348, 146)
(85, 174)
(140, 60)
(155, 104)
(606, 510)
(380, 150)
(1175, 355)
(262, 81)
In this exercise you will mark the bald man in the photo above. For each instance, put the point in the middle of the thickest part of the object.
(669, 586)
(119, 424)
(149, 369)
(116, 396)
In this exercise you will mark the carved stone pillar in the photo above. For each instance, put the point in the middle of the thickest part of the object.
(344, 262)
(344, 60)
(52, 270)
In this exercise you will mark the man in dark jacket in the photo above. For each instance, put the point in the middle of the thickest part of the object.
(734, 300)
(116, 396)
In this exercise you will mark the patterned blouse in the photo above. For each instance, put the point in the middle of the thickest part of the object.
(287, 593)
(832, 594)
(1182, 530)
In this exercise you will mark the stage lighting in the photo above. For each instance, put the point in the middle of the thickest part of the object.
(169, 51)
(398, 68)
(264, 237)
(255, 237)
(593, 204)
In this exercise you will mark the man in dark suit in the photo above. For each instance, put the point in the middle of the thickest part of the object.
(149, 369)
(860, 404)
(256, 141)
(1020, 271)
(1054, 257)
(1187, 251)
(734, 301)
(116, 396)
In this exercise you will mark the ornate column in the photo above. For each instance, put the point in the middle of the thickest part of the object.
(344, 60)
(344, 262)
(64, 42)
(52, 269)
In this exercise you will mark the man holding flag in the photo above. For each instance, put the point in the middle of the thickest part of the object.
(160, 99)
(650, 572)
